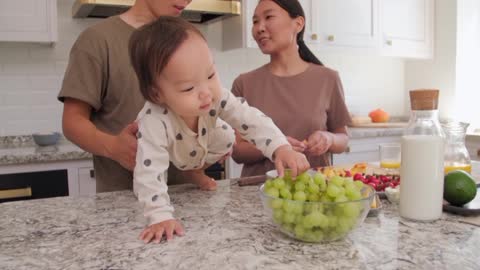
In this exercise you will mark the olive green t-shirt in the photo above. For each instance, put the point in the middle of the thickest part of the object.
(99, 73)
(299, 105)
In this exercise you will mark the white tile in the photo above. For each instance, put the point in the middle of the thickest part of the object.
(13, 82)
(47, 82)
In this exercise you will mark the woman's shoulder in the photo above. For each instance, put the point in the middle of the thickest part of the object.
(256, 73)
(325, 71)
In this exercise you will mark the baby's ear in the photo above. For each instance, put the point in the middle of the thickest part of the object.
(156, 95)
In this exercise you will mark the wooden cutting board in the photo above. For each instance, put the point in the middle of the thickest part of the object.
(379, 125)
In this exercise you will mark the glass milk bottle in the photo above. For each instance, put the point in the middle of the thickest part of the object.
(456, 153)
(421, 187)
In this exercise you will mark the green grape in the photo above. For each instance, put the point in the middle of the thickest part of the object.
(289, 217)
(272, 192)
(300, 196)
(353, 195)
(332, 191)
(307, 222)
(337, 180)
(318, 235)
(313, 188)
(268, 183)
(299, 186)
(285, 193)
(359, 184)
(351, 210)
(289, 206)
(347, 181)
(319, 179)
(313, 197)
(278, 215)
(303, 177)
(276, 203)
(299, 219)
(279, 183)
(288, 185)
(288, 227)
(299, 230)
(332, 221)
(325, 198)
(341, 198)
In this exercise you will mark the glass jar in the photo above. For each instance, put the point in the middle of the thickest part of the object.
(456, 153)
(422, 146)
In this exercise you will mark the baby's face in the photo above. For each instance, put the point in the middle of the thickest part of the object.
(189, 83)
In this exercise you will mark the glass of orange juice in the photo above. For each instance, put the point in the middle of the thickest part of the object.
(390, 156)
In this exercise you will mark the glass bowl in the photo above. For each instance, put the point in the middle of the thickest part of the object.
(317, 221)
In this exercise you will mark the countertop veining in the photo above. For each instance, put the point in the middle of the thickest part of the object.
(226, 229)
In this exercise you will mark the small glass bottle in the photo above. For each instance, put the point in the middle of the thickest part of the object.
(421, 173)
(456, 153)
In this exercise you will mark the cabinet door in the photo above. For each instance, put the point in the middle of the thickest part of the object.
(86, 181)
(28, 20)
(407, 28)
(343, 23)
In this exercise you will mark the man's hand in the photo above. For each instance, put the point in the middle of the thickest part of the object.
(123, 147)
(156, 231)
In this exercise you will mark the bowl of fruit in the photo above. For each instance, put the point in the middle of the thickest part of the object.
(313, 208)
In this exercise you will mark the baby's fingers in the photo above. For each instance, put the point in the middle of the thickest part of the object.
(169, 232)
(179, 229)
(158, 236)
(147, 237)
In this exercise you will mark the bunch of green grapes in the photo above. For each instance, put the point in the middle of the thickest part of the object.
(295, 207)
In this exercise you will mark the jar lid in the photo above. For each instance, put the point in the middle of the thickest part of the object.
(424, 99)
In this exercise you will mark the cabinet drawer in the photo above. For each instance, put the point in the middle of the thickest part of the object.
(33, 185)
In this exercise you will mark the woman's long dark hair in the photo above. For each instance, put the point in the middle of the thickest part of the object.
(295, 10)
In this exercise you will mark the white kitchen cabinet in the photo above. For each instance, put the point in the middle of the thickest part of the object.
(363, 150)
(406, 28)
(342, 23)
(28, 20)
(86, 181)
(78, 173)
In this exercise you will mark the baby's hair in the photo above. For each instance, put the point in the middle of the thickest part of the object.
(151, 47)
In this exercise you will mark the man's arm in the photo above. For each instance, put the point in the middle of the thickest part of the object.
(79, 129)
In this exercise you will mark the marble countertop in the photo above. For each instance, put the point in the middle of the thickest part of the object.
(358, 133)
(15, 150)
(226, 229)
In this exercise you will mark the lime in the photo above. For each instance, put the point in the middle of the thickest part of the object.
(459, 188)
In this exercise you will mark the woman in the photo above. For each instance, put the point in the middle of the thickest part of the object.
(101, 96)
(304, 98)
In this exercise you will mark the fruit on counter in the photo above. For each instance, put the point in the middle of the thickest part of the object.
(459, 188)
(379, 116)
(294, 209)
(378, 181)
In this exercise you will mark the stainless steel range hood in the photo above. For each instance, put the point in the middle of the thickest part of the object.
(199, 11)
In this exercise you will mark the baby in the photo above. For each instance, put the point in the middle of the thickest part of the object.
(187, 119)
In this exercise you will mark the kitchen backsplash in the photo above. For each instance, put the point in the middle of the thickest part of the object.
(31, 76)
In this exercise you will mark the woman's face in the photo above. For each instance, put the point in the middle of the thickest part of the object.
(166, 7)
(273, 28)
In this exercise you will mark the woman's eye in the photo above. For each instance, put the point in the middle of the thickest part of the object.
(211, 76)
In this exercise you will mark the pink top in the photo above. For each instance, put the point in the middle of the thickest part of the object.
(299, 105)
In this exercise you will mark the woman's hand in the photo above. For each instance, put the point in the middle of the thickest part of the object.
(319, 143)
(156, 231)
(123, 147)
(286, 157)
(296, 144)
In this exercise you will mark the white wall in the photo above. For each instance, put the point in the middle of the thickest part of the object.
(438, 73)
(31, 75)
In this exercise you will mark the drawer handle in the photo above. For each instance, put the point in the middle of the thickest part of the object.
(347, 150)
(16, 193)
(92, 173)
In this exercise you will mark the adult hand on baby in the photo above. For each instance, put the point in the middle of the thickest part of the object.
(156, 231)
(319, 143)
(123, 148)
(285, 156)
(296, 144)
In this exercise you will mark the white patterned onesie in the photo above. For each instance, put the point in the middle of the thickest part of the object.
(163, 137)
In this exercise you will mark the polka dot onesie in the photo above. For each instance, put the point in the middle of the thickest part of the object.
(164, 137)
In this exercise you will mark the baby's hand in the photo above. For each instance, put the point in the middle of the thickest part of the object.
(285, 156)
(156, 231)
